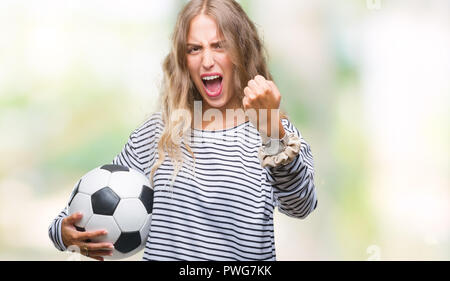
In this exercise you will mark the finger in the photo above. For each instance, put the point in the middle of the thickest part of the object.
(100, 253)
(97, 246)
(272, 86)
(245, 103)
(248, 92)
(92, 234)
(260, 78)
(72, 219)
(254, 86)
(262, 82)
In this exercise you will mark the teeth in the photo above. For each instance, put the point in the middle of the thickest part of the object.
(210, 77)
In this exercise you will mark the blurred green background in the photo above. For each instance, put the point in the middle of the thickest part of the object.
(365, 81)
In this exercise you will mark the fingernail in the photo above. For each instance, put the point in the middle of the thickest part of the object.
(111, 246)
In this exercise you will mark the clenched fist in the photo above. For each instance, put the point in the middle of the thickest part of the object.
(261, 103)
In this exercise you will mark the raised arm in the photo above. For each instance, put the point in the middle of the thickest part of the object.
(293, 183)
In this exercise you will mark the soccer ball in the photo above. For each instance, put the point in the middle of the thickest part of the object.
(119, 200)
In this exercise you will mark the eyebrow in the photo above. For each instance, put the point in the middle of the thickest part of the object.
(221, 42)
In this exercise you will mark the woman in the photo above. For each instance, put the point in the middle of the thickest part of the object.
(218, 162)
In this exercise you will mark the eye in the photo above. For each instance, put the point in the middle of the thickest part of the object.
(193, 49)
(218, 46)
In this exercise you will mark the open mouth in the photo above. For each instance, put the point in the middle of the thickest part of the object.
(212, 84)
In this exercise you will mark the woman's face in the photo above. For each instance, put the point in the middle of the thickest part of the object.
(209, 64)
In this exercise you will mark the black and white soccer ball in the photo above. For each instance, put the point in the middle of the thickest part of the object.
(119, 200)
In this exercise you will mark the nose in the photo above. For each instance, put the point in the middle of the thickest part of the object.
(208, 60)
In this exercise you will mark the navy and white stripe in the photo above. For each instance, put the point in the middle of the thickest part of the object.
(225, 210)
(54, 231)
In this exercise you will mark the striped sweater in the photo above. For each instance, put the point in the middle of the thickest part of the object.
(225, 210)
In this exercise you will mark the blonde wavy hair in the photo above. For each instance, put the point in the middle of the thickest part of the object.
(178, 91)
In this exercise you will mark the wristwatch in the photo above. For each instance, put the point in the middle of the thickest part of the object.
(274, 146)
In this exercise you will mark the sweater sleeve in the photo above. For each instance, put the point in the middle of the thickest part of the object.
(128, 156)
(293, 184)
(54, 230)
(139, 151)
